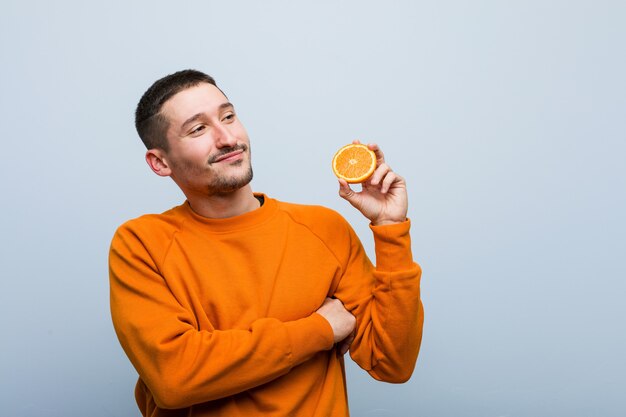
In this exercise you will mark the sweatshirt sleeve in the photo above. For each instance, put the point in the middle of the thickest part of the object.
(385, 301)
(181, 365)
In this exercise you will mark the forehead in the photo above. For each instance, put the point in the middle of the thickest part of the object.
(202, 98)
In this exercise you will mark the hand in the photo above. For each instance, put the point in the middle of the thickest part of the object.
(344, 345)
(383, 198)
(341, 320)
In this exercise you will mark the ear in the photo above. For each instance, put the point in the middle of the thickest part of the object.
(157, 161)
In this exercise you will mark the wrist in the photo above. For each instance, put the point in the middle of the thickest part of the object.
(384, 222)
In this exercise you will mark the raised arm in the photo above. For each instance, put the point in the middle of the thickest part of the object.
(384, 299)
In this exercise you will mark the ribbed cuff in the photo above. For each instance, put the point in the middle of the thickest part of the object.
(392, 244)
(308, 336)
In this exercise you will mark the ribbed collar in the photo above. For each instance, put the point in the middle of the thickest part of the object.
(244, 221)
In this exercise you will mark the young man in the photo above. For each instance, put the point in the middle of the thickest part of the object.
(236, 304)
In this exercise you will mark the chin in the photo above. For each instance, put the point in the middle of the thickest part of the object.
(226, 185)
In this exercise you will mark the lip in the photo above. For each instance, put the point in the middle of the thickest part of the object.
(231, 156)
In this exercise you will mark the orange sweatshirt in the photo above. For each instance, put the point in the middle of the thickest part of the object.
(218, 315)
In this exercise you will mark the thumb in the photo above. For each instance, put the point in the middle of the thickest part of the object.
(346, 192)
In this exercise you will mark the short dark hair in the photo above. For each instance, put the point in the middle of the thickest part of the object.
(151, 125)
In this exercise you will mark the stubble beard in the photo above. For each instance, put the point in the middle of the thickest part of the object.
(222, 185)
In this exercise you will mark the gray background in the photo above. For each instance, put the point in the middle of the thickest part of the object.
(506, 118)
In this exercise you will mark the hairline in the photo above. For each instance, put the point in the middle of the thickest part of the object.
(164, 121)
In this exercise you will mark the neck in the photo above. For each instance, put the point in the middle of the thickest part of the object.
(224, 205)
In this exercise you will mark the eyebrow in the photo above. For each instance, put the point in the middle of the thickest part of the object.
(197, 116)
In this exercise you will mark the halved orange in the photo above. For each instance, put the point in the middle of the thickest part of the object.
(354, 163)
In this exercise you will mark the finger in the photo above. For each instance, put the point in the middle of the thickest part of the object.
(380, 156)
(343, 347)
(388, 181)
(379, 174)
(356, 141)
(345, 344)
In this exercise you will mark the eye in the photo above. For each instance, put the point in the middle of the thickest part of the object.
(197, 130)
(229, 117)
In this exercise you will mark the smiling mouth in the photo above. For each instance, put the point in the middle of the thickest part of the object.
(227, 154)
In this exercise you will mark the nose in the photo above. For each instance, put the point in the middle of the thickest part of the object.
(224, 138)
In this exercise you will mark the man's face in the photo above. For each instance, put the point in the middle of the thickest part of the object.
(209, 149)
